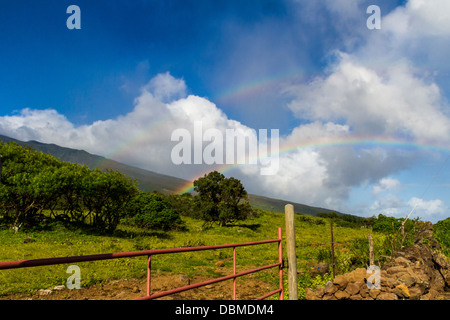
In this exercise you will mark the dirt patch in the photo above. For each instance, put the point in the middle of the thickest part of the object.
(248, 287)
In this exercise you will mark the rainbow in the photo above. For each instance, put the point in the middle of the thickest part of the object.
(259, 85)
(326, 143)
(237, 92)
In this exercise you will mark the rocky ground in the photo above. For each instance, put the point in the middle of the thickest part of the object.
(417, 272)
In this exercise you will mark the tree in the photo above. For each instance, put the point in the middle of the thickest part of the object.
(153, 211)
(221, 200)
(25, 189)
(106, 196)
(32, 181)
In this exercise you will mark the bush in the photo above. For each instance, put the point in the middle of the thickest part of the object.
(306, 280)
(152, 211)
(441, 232)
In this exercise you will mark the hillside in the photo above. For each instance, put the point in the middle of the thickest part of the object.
(277, 205)
(149, 180)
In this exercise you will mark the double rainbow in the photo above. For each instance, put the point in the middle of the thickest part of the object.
(339, 142)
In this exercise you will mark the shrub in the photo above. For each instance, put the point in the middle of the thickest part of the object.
(441, 232)
(152, 211)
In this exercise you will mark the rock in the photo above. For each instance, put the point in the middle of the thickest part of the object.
(357, 275)
(415, 293)
(135, 290)
(330, 288)
(441, 261)
(320, 292)
(329, 284)
(396, 269)
(388, 281)
(320, 268)
(387, 296)
(121, 293)
(310, 294)
(341, 282)
(407, 280)
(28, 240)
(363, 290)
(341, 295)
(352, 288)
(431, 295)
(44, 292)
(220, 264)
(402, 261)
(416, 272)
(59, 288)
(374, 293)
(402, 291)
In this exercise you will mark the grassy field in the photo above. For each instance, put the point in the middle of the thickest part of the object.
(313, 237)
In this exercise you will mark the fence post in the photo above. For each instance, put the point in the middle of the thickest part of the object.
(333, 265)
(371, 255)
(1, 167)
(291, 254)
(149, 275)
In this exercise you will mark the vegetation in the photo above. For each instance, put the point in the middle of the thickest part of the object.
(69, 209)
(153, 211)
(56, 239)
(32, 182)
(441, 231)
(221, 200)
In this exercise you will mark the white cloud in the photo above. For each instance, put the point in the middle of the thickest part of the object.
(419, 18)
(166, 88)
(393, 205)
(389, 205)
(34, 124)
(396, 103)
(385, 184)
(426, 209)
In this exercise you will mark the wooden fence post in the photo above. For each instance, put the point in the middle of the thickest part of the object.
(393, 237)
(291, 254)
(333, 265)
(371, 255)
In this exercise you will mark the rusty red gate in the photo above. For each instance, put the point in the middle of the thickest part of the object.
(150, 253)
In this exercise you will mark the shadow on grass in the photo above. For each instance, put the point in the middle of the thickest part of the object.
(58, 224)
(251, 226)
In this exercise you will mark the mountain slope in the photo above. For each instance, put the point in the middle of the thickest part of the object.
(277, 205)
(149, 180)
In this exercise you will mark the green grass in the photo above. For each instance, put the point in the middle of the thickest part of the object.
(312, 241)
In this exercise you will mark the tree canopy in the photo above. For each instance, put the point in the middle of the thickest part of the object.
(33, 181)
(221, 200)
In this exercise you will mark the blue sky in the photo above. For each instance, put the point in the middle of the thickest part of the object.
(311, 69)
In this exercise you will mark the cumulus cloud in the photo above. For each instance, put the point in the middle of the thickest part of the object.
(142, 137)
(420, 18)
(385, 184)
(395, 103)
(392, 205)
(426, 209)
